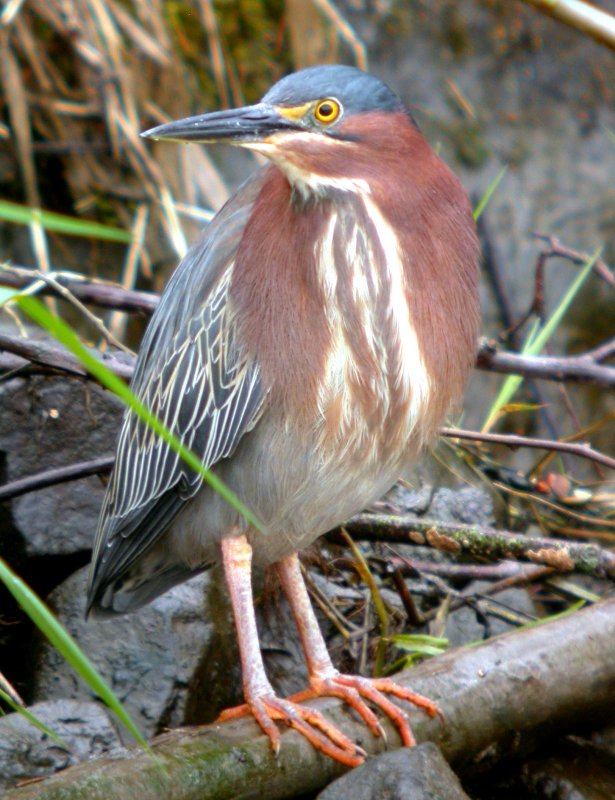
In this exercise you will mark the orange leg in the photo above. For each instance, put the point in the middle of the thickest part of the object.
(261, 700)
(325, 680)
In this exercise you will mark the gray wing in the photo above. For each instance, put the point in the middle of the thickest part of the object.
(195, 377)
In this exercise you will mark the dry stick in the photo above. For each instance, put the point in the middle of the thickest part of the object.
(467, 572)
(582, 15)
(483, 542)
(557, 249)
(48, 354)
(580, 369)
(98, 324)
(99, 293)
(510, 440)
(499, 698)
(531, 575)
(52, 477)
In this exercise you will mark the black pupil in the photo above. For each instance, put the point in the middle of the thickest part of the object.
(326, 110)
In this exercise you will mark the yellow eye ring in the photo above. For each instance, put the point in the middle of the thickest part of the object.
(327, 111)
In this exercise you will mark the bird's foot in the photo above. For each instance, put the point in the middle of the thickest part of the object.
(355, 690)
(324, 736)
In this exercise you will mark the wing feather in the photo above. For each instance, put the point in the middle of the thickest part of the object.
(195, 376)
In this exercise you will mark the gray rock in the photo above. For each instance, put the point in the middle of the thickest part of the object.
(417, 773)
(147, 657)
(26, 752)
(464, 626)
(468, 504)
(50, 422)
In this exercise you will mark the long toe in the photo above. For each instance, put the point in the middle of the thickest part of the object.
(323, 735)
(355, 690)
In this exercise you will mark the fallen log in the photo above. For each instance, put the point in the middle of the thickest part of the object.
(501, 697)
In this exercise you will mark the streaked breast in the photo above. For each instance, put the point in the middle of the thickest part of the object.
(375, 385)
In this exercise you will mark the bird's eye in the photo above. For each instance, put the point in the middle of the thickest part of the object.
(327, 111)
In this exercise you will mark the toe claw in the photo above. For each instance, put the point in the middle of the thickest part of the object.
(309, 722)
(356, 691)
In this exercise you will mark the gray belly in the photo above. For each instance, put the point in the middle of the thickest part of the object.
(298, 492)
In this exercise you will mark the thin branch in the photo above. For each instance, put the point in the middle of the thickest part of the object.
(481, 542)
(99, 293)
(467, 572)
(98, 324)
(573, 368)
(581, 369)
(603, 351)
(52, 477)
(582, 449)
(104, 464)
(585, 17)
(52, 356)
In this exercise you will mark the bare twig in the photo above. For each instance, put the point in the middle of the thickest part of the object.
(482, 542)
(98, 324)
(47, 354)
(52, 477)
(595, 22)
(561, 368)
(581, 449)
(42, 352)
(97, 292)
(468, 572)
(585, 368)
(527, 574)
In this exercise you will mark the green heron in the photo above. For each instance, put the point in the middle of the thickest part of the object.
(307, 348)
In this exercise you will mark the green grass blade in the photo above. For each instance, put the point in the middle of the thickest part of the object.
(510, 385)
(482, 203)
(420, 644)
(538, 339)
(32, 719)
(66, 336)
(66, 645)
(61, 223)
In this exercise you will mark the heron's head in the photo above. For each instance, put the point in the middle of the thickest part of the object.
(325, 126)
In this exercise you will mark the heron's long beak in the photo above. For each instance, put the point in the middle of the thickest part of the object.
(235, 126)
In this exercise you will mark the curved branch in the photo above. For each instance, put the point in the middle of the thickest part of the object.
(55, 357)
(96, 292)
(52, 477)
(580, 369)
(482, 542)
(583, 16)
(104, 464)
(582, 449)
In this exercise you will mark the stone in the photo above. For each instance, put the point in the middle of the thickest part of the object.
(463, 625)
(410, 773)
(468, 504)
(148, 657)
(51, 422)
(26, 752)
